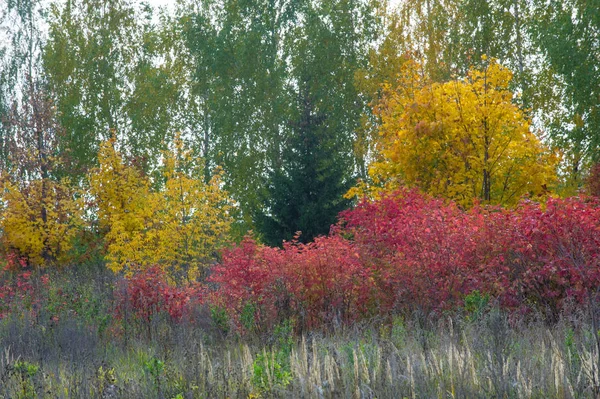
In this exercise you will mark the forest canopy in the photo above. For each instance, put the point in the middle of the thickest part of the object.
(157, 136)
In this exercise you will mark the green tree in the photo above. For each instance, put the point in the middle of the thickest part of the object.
(426, 25)
(88, 48)
(318, 163)
(113, 70)
(156, 106)
(239, 87)
(568, 33)
(306, 193)
(20, 49)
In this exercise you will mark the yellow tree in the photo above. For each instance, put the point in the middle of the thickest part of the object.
(41, 213)
(125, 212)
(194, 217)
(40, 219)
(461, 140)
(178, 226)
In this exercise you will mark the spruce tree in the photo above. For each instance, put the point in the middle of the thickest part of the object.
(306, 194)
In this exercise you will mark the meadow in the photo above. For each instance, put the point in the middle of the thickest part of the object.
(68, 344)
(407, 297)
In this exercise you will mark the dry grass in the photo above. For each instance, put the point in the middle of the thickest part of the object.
(489, 358)
(494, 356)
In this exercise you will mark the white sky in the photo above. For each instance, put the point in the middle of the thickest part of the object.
(161, 3)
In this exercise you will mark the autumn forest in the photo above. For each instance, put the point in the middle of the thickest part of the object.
(300, 198)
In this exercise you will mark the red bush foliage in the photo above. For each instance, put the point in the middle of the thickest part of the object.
(423, 252)
(148, 293)
(17, 287)
(406, 251)
(593, 181)
(548, 254)
(316, 283)
(410, 251)
(533, 256)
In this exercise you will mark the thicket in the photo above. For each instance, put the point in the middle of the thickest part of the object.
(408, 252)
(403, 253)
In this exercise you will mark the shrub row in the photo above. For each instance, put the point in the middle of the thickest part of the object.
(402, 253)
(409, 251)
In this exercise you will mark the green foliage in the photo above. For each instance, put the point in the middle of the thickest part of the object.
(272, 370)
(105, 378)
(155, 370)
(25, 369)
(25, 372)
(476, 304)
(80, 301)
(90, 48)
(284, 338)
(317, 162)
(239, 72)
(220, 318)
(247, 317)
(306, 194)
(154, 367)
(269, 373)
(399, 333)
(273, 84)
(112, 70)
(21, 24)
(572, 27)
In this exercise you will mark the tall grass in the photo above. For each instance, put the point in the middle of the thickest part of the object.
(77, 351)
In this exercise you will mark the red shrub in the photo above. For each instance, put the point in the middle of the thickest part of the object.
(18, 288)
(242, 275)
(422, 251)
(410, 251)
(148, 293)
(316, 283)
(593, 181)
(15, 263)
(327, 281)
(430, 254)
(551, 254)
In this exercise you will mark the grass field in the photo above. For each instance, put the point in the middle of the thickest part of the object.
(67, 343)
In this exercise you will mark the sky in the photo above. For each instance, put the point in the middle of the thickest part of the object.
(160, 3)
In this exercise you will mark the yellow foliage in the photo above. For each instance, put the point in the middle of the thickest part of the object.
(124, 208)
(40, 219)
(178, 227)
(461, 140)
